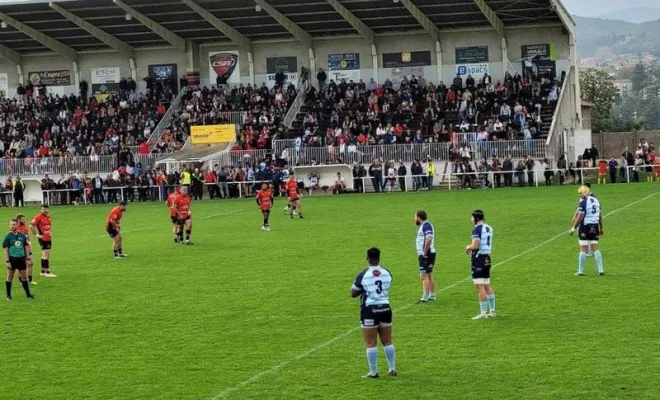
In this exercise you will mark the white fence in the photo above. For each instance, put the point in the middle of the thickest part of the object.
(68, 165)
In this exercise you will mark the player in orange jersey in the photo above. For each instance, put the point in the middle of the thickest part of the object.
(23, 228)
(294, 198)
(112, 226)
(183, 215)
(170, 204)
(265, 202)
(41, 228)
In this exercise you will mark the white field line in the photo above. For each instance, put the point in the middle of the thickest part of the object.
(225, 392)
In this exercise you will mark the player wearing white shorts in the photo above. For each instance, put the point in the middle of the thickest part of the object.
(372, 285)
(589, 224)
(480, 249)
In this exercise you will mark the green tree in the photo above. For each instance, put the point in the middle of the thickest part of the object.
(639, 77)
(598, 88)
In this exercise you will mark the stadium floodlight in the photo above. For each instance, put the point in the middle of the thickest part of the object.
(395, 1)
(257, 8)
(128, 17)
(3, 24)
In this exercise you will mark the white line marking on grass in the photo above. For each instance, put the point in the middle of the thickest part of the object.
(220, 214)
(322, 346)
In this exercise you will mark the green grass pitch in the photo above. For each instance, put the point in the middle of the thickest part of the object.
(247, 314)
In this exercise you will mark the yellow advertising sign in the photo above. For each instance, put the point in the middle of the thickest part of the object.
(210, 134)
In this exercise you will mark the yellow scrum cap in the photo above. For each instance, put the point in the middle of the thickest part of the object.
(583, 191)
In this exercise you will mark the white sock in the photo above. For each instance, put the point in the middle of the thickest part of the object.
(389, 354)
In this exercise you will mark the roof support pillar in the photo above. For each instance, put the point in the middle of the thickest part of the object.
(238, 38)
(312, 64)
(193, 56)
(505, 57)
(438, 56)
(175, 40)
(21, 76)
(354, 21)
(58, 47)
(374, 57)
(423, 20)
(251, 66)
(289, 25)
(10, 54)
(491, 16)
(76, 74)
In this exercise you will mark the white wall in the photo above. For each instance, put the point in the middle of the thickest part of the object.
(322, 47)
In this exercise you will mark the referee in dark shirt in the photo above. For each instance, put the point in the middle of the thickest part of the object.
(14, 246)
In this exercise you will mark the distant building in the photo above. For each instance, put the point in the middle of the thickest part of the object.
(624, 86)
(650, 92)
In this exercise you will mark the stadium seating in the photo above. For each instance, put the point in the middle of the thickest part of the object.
(54, 126)
(261, 113)
(370, 113)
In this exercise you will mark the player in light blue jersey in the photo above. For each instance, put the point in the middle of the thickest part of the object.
(425, 246)
(589, 223)
(590, 253)
(372, 285)
(480, 249)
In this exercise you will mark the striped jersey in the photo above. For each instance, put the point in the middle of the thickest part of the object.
(374, 284)
(426, 230)
(484, 234)
(590, 209)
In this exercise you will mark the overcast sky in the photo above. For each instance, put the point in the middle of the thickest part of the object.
(592, 8)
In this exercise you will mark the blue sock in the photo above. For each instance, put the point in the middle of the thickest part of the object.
(491, 301)
(483, 305)
(582, 258)
(372, 358)
(389, 353)
(599, 261)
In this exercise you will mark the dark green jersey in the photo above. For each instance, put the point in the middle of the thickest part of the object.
(15, 242)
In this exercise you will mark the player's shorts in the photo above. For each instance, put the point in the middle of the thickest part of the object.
(17, 263)
(588, 234)
(265, 210)
(379, 316)
(481, 269)
(426, 264)
(173, 219)
(293, 199)
(183, 220)
(112, 231)
(45, 244)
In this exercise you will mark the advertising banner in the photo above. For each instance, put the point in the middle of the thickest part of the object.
(4, 84)
(212, 134)
(471, 55)
(411, 59)
(476, 70)
(539, 60)
(408, 72)
(161, 72)
(50, 78)
(105, 81)
(288, 65)
(344, 66)
(225, 65)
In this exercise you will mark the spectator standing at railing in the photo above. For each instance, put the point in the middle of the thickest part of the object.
(401, 173)
(211, 182)
(197, 185)
(376, 173)
(529, 165)
(358, 177)
(416, 171)
(430, 173)
(496, 167)
(223, 178)
(97, 189)
(520, 173)
(561, 166)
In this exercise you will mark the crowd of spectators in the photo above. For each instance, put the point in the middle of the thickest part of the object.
(262, 112)
(369, 113)
(46, 125)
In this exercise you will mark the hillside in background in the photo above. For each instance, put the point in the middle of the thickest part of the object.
(603, 37)
(635, 15)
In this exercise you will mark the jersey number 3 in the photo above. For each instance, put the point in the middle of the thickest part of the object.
(379, 287)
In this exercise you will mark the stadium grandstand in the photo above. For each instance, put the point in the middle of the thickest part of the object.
(96, 85)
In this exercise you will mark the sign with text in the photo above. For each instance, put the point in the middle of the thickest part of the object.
(407, 59)
(288, 65)
(160, 72)
(471, 55)
(4, 84)
(105, 81)
(475, 70)
(344, 66)
(212, 134)
(224, 65)
(50, 78)
(539, 60)
(397, 74)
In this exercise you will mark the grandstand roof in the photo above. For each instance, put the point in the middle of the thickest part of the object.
(251, 19)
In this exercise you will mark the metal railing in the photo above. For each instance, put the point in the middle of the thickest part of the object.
(404, 152)
(164, 122)
(279, 145)
(562, 121)
(67, 165)
(298, 102)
